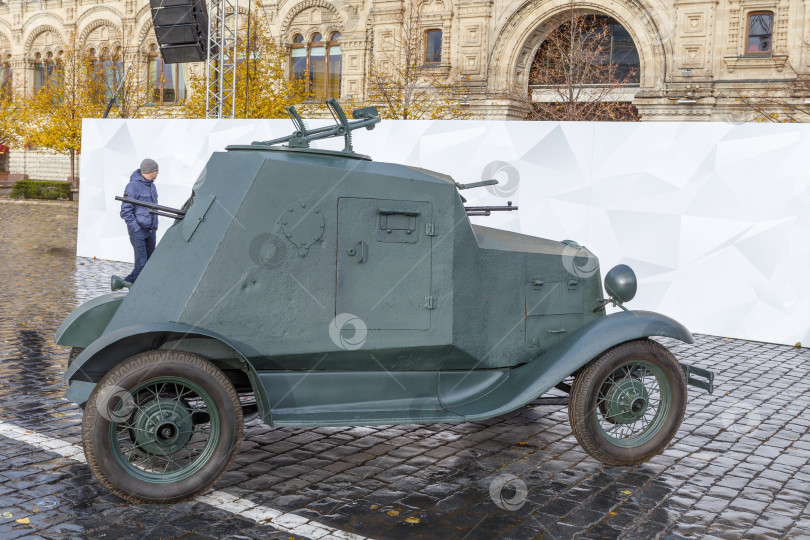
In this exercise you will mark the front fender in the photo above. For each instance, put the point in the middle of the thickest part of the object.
(87, 322)
(111, 349)
(529, 381)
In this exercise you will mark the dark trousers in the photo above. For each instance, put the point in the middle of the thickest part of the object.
(143, 242)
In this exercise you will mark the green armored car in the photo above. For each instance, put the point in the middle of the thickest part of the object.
(312, 287)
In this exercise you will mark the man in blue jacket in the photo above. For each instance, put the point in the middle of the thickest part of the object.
(141, 225)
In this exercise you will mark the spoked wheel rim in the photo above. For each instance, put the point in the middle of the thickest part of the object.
(164, 430)
(633, 403)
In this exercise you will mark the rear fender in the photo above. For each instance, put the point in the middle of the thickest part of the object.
(86, 323)
(526, 383)
(111, 349)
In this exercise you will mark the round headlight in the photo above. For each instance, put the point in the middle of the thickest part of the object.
(621, 283)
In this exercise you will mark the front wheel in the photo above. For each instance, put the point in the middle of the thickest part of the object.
(161, 427)
(627, 404)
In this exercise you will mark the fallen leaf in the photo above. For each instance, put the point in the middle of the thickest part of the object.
(374, 506)
(523, 443)
(23, 521)
(393, 513)
(411, 520)
(626, 492)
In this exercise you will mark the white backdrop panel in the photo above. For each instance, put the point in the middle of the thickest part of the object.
(714, 218)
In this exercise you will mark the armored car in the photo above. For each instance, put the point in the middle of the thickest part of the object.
(311, 287)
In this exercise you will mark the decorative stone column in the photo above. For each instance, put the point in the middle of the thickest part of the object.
(472, 41)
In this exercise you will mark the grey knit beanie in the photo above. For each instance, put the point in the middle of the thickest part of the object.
(148, 166)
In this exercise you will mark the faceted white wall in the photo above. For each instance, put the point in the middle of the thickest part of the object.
(713, 217)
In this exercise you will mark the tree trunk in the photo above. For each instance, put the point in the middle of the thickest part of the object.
(72, 172)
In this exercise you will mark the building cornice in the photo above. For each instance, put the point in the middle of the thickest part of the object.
(777, 62)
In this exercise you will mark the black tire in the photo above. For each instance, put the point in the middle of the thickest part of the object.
(109, 414)
(614, 377)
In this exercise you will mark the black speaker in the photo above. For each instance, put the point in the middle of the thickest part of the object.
(181, 28)
(182, 33)
(178, 54)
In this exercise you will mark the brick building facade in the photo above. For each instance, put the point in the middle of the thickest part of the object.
(694, 58)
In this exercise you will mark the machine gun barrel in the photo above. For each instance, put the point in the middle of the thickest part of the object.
(473, 210)
(482, 183)
(165, 214)
(157, 209)
(366, 117)
(322, 132)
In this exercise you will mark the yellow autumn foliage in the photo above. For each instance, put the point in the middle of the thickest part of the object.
(8, 120)
(263, 89)
(52, 117)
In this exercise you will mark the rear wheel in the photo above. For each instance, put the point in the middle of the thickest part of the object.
(162, 427)
(627, 404)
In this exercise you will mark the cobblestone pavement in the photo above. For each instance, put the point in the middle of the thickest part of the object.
(738, 467)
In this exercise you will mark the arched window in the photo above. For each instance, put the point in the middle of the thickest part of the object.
(317, 67)
(95, 60)
(166, 82)
(112, 66)
(334, 64)
(44, 69)
(98, 72)
(318, 63)
(298, 57)
(5, 79)
(105, 65)
(589, 50)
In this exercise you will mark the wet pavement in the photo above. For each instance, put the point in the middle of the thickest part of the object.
(738, 467)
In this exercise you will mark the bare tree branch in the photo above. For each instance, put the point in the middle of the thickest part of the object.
(402, 85)
(784, 102)
(573, 76)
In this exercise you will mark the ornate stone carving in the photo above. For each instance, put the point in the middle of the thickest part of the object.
(694, 23)
(54, 36)
(94, 26)
(529, 23)
(781, 30)
(104, 12)
(733, 30)
(298, 8)
(472, 35)
(471, 64)
(692, 56)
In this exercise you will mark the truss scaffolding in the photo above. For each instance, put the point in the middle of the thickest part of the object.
(220, 69)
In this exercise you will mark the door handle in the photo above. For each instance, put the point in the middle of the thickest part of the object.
(390, 212)
(363, 252)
